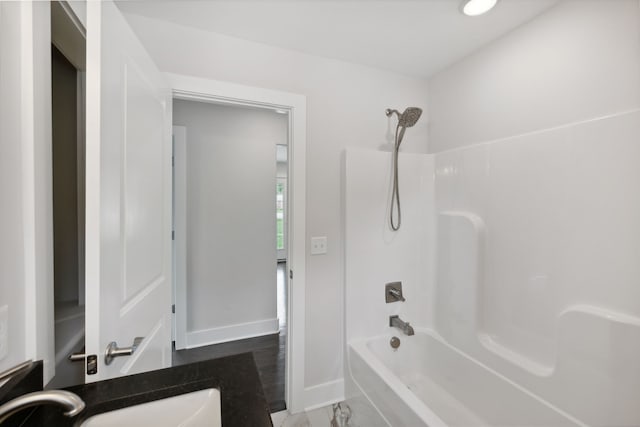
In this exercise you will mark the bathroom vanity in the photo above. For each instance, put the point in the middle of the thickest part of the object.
(233, 380)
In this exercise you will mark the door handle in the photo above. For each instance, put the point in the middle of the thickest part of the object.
(114, 351)
(77, 357)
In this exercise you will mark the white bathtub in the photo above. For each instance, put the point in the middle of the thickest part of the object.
(427, 382)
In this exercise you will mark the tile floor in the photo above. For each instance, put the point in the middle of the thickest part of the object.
(355, 413)
(320, 417)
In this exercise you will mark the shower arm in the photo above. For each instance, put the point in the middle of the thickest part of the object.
(389, 112)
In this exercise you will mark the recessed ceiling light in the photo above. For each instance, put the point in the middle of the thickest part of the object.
(477, 7)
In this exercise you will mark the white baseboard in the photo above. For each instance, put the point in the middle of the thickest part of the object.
(323, 394)
(232, 333)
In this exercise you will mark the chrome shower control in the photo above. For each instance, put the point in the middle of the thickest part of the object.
(393, 292)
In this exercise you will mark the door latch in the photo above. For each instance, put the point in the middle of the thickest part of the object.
(92, 364)
(92, 361)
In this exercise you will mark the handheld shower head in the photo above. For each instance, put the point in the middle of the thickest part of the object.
(407, 119)
(410, 117)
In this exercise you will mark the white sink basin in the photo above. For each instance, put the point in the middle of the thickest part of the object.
(200, 408)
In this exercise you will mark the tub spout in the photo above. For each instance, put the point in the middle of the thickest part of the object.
(395, 321)
(70, 402)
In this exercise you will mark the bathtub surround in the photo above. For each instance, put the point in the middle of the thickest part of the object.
(538, 270)
(555, 268)
(532, 291)
(526, 239)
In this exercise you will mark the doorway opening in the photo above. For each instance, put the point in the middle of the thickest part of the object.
(68, 53)
(282, 184)
(230, 259)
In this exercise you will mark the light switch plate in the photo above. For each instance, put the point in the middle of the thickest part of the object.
(318, 245)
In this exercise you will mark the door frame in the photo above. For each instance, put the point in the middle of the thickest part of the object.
(225, 93)
(179, 235)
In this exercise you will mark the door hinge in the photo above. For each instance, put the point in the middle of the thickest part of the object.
(173, 308)
(173, 161)
(173, 234)
(290, 274)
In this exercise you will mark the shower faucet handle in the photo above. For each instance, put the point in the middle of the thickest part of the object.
(393, 292)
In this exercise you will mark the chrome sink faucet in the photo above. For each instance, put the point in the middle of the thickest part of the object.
(70, 402)
(405, 327)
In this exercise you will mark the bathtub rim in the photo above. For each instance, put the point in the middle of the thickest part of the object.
(420, 408)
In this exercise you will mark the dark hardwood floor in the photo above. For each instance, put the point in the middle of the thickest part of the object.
(268, 351)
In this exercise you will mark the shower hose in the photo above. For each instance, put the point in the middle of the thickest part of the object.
(395, 197)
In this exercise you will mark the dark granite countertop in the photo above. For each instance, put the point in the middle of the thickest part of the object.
(242, 399)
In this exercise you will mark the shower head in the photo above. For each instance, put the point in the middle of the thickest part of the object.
(408, 118)
(405, 120)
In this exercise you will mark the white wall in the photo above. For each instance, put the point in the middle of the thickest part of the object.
(579, 60)
(26, 251)
(345, 104)
(11, 217)
(231, 226)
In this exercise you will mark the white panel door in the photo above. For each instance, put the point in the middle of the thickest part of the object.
(128, 198)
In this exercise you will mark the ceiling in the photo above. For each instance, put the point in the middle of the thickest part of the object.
(418, 37)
